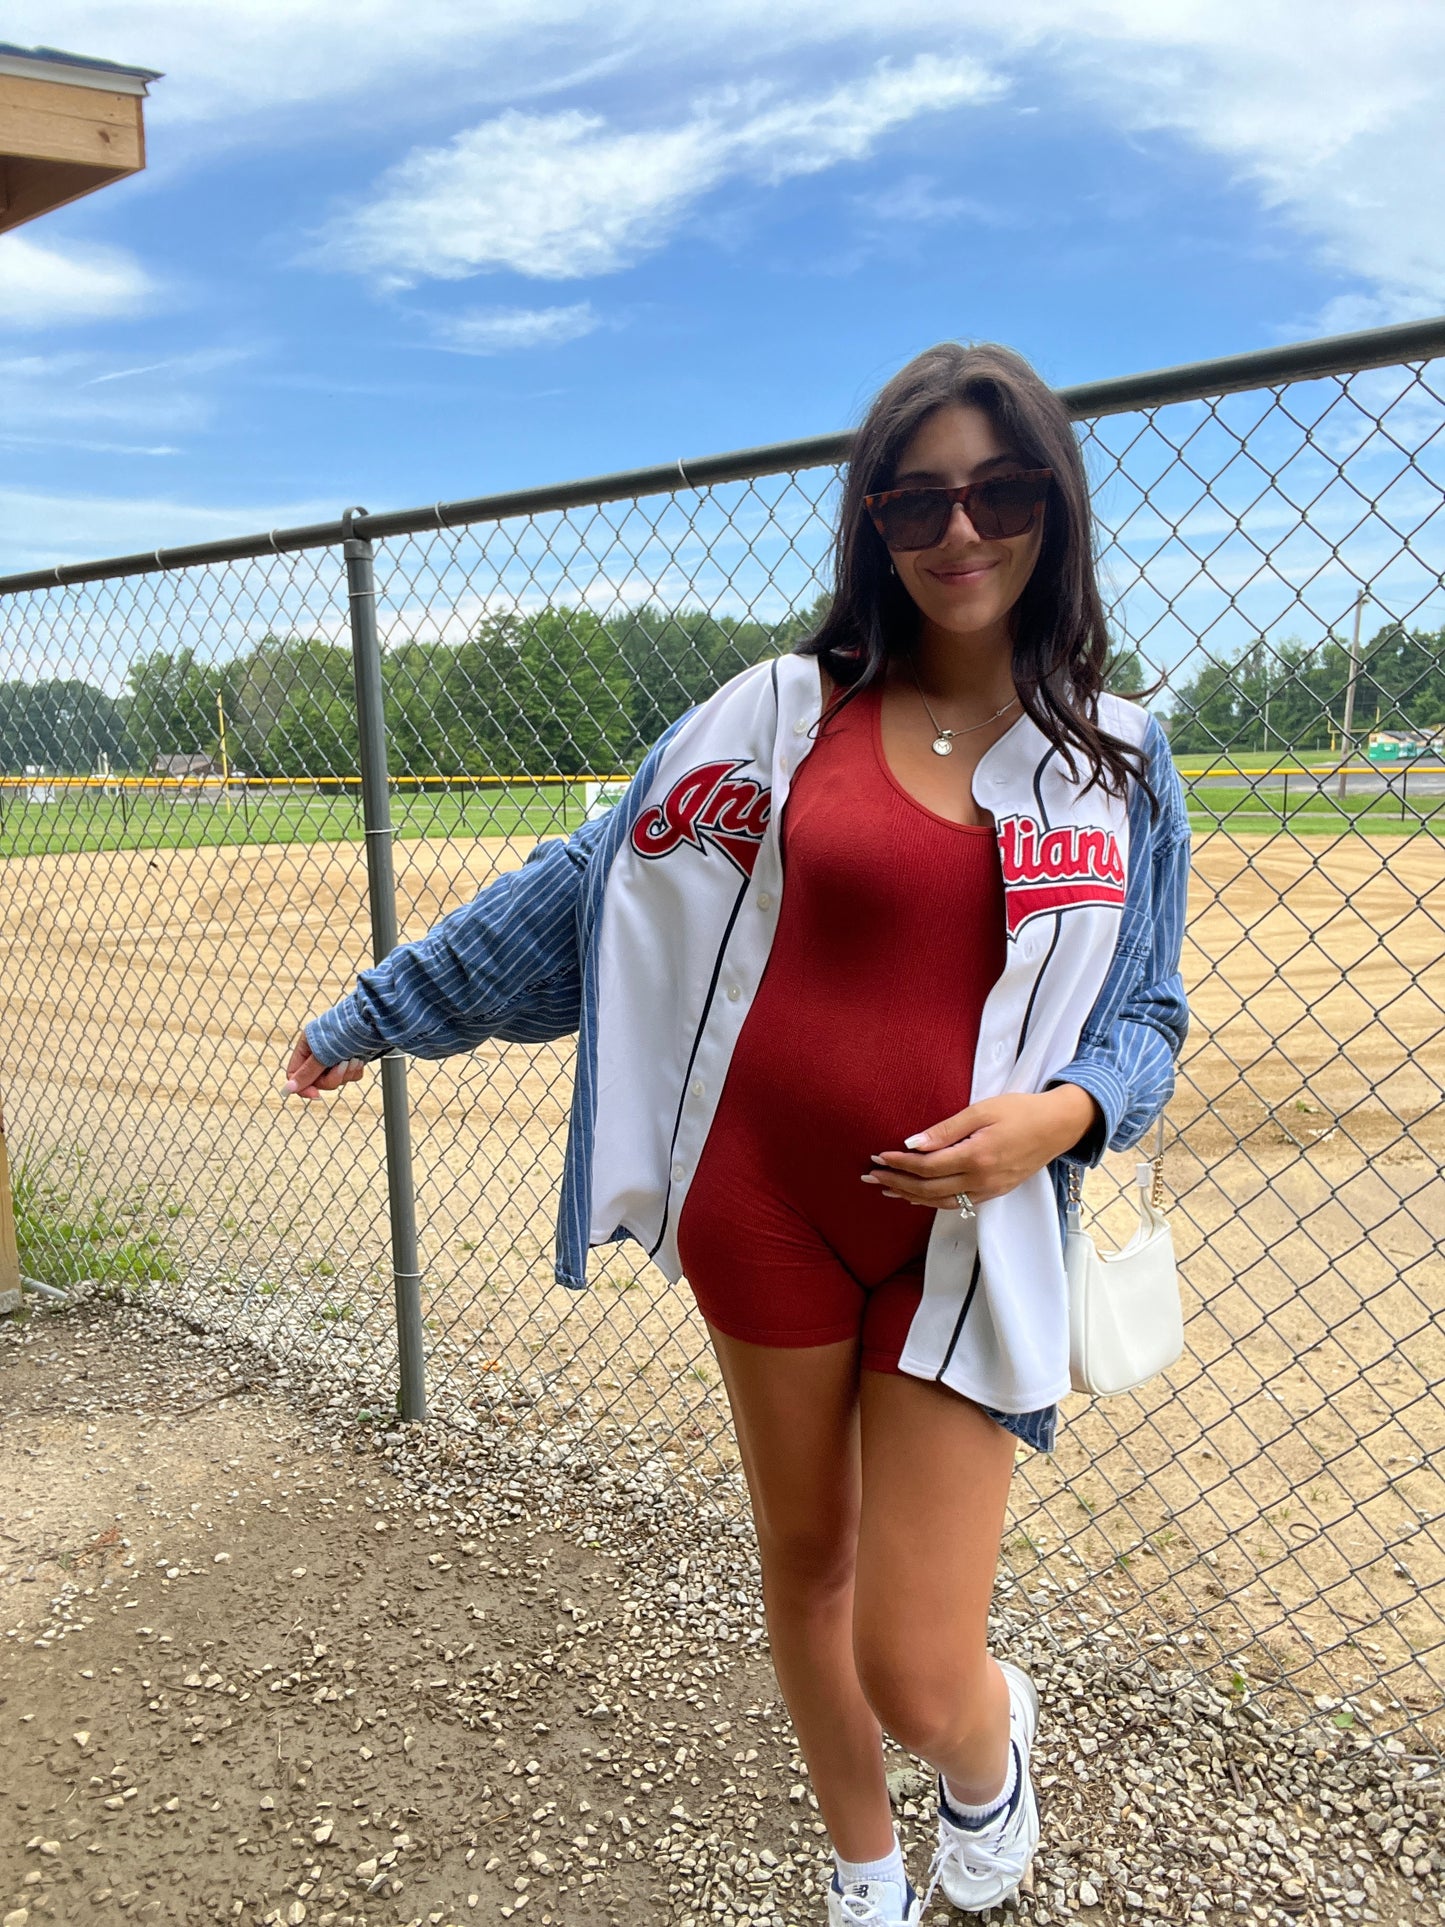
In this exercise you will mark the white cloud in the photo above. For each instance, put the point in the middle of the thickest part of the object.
(42, 529)
(804, 136)
(54, 396)
(1346, 313)
(84, 446)
(551, 196)
(239, 62)
(243, 66)
(914, 200)
(1329, 109)
(498, 331)
(125, 374)
(556, 196)
(44, 287)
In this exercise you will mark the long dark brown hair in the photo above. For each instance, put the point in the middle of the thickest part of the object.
(1060, 639)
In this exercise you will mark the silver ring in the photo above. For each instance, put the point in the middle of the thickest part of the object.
(965, 1204)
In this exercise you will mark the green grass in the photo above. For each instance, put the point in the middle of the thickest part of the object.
(65, 1234)
(88, 820)
(1320, 761)
(1311, 813)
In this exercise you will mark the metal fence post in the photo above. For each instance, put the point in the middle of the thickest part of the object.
(381, 889)
(9, 1245)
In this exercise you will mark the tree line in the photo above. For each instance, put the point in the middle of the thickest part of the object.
(561, 691)
(1292, 695)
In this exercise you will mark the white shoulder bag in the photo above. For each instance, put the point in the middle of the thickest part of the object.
(1125, 1319)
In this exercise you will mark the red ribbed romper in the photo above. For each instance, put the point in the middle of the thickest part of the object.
(889, 938)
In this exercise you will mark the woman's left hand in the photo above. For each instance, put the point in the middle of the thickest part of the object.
(987, 1149)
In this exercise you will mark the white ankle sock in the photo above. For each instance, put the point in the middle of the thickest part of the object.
(889, 1868)
(980, 1816)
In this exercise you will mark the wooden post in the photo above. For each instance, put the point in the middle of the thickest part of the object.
(9, 1250)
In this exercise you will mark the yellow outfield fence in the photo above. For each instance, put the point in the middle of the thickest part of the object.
(234, 781)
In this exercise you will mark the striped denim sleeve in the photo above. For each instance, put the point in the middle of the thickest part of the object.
(504, 965)
(1133, 1035)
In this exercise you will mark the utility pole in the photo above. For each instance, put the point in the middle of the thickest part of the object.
(1346, 734)
(225, 765)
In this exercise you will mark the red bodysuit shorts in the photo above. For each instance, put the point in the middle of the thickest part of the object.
(890, 936)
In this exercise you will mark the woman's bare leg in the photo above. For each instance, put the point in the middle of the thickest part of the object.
(935, 1480)
(795, 1411)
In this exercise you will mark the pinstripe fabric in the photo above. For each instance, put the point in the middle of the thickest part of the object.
(507, 965)
(519, 962)
(1132, 1036)
(1037, 1429)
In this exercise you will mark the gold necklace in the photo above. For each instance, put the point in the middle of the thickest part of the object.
(943, 739)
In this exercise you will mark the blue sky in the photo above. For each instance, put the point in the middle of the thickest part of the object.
(390, 255)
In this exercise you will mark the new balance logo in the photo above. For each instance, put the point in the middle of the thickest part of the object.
(1045, 871)
(712, 804)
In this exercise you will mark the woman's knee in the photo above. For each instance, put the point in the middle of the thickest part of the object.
(807, 1563)
(932, 1704)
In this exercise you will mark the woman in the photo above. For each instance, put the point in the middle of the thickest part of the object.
(969, 981)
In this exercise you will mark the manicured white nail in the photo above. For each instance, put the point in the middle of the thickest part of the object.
(916, 1142)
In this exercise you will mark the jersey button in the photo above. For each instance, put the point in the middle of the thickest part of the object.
(734, 992)
(697, 1087)
(677, 1171)
(765, 902)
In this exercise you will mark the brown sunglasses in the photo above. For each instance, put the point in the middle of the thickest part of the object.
(918, 518)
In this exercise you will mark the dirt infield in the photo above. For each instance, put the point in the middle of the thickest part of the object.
(1282, 1490)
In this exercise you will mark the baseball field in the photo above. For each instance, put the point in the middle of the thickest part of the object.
(1281, 1491)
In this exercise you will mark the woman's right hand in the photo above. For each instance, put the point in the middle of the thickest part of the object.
(306, 1078)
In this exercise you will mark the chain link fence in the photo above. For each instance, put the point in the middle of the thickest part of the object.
(1272, 537)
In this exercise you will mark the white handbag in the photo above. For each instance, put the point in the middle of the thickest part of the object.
(1125, 1319)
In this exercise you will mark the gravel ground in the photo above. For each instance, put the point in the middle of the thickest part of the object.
(264, 1662)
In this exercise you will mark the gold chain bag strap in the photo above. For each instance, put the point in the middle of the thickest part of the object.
(1125, 1319)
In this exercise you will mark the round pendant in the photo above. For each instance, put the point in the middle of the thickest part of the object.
(942, 746)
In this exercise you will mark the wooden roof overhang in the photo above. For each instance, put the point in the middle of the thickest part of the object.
(68, 125)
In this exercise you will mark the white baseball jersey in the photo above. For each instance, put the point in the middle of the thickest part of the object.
(691, 905)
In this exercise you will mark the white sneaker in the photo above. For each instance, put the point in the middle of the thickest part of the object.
(981, 1867)
(873, 1903)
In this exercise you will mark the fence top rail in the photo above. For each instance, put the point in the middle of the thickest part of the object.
(1192, 381)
